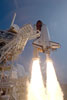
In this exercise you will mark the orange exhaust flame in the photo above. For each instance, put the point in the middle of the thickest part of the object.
(54, 91)
(36, 90)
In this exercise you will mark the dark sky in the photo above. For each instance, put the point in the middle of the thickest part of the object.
(53, 13)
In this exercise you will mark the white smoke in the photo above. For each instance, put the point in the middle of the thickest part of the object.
(14, 74)
(18, 71)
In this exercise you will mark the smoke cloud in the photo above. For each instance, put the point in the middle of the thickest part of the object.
(18, 71)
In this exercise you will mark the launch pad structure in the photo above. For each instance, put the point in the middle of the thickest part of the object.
(12, 43)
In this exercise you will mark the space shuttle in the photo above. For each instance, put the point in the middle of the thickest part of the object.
(43, 43)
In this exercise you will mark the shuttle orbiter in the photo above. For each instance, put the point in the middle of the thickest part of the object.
(43, 43)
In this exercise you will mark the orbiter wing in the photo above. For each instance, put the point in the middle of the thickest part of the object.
(54, 45)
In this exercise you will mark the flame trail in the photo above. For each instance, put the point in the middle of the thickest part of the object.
(54, 91)
(36, 90)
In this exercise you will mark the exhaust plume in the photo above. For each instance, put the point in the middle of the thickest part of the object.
(36, 90)
(53, 88)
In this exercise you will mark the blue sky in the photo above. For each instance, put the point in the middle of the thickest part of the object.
(53, 13)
